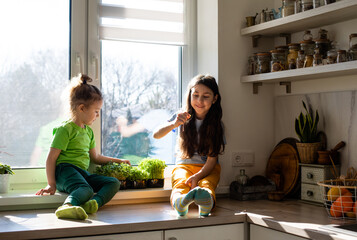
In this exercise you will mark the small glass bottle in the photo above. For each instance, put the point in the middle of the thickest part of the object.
(307, 36)
(242, 178)
(317, 61)
(300, 59)
(297, 6)
(308, 61)
(341, 56)
(306, 5)
(308, 47)
(352, 52)
(252, 61)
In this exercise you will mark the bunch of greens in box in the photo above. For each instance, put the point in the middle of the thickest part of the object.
(154, 167)
(137, 174)
(112, 169)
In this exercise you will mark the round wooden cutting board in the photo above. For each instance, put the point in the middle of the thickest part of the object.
(283, 167)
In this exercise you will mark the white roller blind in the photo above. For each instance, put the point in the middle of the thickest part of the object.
(151, 21)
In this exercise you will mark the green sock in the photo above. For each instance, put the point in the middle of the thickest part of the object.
(90, 206)
(72, 212)
(181, 203)
(204, 201)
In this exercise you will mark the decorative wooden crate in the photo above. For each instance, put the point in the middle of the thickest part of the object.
(244, 193)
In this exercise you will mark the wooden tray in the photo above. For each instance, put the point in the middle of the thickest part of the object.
(283, 168)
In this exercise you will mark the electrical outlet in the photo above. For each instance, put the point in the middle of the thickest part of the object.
(242, 159)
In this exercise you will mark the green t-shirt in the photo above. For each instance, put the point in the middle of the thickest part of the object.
(75, 143)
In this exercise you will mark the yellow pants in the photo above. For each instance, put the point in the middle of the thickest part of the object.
(183, 171)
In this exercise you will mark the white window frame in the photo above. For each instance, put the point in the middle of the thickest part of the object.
(85, 57)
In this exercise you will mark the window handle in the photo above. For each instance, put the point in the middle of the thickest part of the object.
(95, 62)
(79, 62)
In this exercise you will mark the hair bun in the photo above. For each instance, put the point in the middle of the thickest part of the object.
(85, 78)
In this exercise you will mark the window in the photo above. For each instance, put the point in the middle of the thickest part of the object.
(34, 69)
(141, 52)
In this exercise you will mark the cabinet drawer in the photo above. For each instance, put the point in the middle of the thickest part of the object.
(311, 192)
(314, 175)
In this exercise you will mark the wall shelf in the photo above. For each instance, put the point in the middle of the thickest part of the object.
(326, 71)
(325, 15)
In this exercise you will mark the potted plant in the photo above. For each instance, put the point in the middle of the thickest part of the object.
(119, 171)
(155, 168)
(5, 172)
(138, 178)
(306, 130)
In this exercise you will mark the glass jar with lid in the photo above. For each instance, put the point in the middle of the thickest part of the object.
(263, 62)
(288, 8)
(341, 56)
(300, 59)
(293, 54)
(331, 56)
(323, 45)
(308, 47)
(352, 52)
(278, 60)
(306, 5)
(242, 178)
(297, 6)
(252, 61)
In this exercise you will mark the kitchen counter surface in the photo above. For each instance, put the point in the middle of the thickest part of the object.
(289, 216)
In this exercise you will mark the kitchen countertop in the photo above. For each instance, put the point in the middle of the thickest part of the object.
(290, 216)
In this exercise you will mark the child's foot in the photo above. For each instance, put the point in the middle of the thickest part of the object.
(204, 201)
(72, 212)
(181, 203)
(90, 206)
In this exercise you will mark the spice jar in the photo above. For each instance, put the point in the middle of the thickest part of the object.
(331, 56)
(278, 60)
(308, 47)
(308, 61)
(297, 6)
(306, 5)
(341, 56)
(263, 62)
(300, 59)
(317, 61)
(293, 54)
(323, 45)
(288, 8)
(251, 64)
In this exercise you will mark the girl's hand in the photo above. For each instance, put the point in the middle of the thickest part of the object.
(126, 161)
(182, 118)
(49, 189)
(192, 181)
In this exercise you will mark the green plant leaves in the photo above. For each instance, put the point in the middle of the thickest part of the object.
(306, 126)
(5, 169)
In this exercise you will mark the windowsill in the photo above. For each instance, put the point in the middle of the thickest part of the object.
(26, 199)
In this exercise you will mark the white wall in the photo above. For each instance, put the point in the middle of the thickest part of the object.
(248, 117)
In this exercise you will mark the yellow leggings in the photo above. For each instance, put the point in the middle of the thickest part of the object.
(183, 171)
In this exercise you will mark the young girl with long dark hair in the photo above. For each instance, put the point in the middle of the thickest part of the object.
(201, 140)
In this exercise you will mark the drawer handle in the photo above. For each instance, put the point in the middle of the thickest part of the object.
(172, 238)
(310, 176)
(310, 193)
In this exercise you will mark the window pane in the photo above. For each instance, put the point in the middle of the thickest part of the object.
(34, 68)
(140, 83)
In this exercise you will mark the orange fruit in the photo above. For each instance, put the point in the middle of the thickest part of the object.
(342, 205)
(336, 192)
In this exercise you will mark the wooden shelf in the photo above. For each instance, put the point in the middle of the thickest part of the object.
(326, 71)
(325, 15)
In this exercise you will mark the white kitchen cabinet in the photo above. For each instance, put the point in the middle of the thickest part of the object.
(330, 14)
(258, 233)
(219, 232)
(154, 235)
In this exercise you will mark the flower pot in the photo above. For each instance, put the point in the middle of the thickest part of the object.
(123, 184)
(308, 152)
(155, 183)
(4, 183)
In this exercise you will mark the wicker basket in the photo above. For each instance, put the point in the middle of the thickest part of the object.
(340, 198)
(308, 151)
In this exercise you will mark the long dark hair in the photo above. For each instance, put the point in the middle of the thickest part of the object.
(211, 142)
